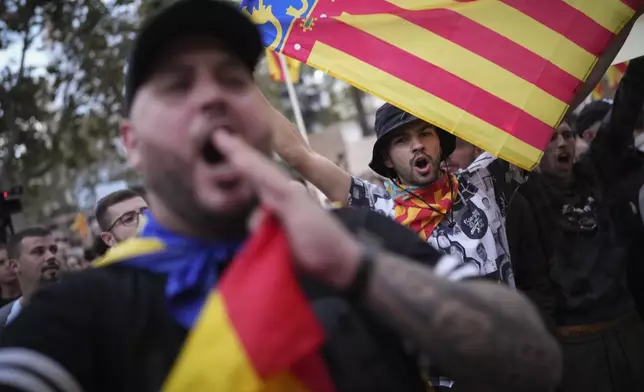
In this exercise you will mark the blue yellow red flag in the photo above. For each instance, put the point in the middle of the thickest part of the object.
(500, 74)
(254, 329)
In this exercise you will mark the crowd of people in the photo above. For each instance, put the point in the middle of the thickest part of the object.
(457, 271)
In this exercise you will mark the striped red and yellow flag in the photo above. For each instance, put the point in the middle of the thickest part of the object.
(275, 68)
(612, 77)
(497, 73)
(615, 73)
(257, 331)
(598, 91)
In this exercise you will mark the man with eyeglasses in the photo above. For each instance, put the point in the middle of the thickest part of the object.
(118, 215)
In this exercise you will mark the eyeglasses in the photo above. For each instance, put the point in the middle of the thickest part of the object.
(128, 219)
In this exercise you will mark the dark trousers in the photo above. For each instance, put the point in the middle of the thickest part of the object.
(610, 360)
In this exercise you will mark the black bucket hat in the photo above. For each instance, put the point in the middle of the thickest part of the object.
(388, 119)
(217, 18)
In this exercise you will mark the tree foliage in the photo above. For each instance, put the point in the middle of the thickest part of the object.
(57, 121)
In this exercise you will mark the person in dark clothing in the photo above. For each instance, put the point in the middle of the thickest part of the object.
(196, 129)
(531, 268)
(9, 286)
(628, 212)
(358, 343)
(601, 334)
(530, 265)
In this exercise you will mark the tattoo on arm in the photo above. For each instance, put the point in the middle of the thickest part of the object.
(479, 333)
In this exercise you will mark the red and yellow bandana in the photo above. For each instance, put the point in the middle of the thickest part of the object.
(422, 208)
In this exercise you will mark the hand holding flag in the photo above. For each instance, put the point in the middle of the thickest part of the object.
(499, 74)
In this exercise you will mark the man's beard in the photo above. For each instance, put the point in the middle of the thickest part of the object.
(170, 180)
(45, 280)
(408, 175)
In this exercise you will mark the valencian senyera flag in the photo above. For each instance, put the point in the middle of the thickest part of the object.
(256, 331)
(275, 67)
(497, 73)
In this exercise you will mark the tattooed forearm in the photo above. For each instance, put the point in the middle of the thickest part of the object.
(481, 334)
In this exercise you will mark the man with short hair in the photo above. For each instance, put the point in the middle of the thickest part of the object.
(463, 155)
(590, 118)
(195, 128)
(10, 289)
(118, 215)
(33, 259)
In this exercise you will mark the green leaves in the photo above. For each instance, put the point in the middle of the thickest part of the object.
(62, 116)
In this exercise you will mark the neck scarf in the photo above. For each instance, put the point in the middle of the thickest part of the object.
(251, 329)
(422, 208)
(192, 266)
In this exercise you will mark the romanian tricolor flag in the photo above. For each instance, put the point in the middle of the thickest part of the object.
(497, 73)
(275, 68)
(256, 331)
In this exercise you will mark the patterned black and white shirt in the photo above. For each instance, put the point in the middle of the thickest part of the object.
(473, 231)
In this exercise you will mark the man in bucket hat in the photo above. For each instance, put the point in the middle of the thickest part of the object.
(446, 210)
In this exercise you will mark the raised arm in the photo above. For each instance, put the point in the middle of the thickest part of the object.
(616, 133)
(318, 170)
(480, 333)
(483, 335)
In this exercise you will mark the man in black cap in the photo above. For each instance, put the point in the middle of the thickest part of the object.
(442, 208)
(196, 129)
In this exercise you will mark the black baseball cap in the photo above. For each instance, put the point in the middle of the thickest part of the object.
(389, 118)
(217, 18)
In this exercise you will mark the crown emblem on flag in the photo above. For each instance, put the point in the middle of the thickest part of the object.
(308, 23)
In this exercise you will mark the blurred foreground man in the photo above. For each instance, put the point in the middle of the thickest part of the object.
(601, 333)
(149, 319)
(33, 259)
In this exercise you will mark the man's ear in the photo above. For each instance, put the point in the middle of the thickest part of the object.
(108, 238)
(386, 160)
(13, 265)
(131, 143)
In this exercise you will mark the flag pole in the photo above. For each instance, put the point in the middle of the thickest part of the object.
(295, 103)
(297, 111)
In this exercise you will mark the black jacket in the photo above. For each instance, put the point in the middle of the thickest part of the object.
(531, 268)
(110, 330)
(577, 222)
(529, 262)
